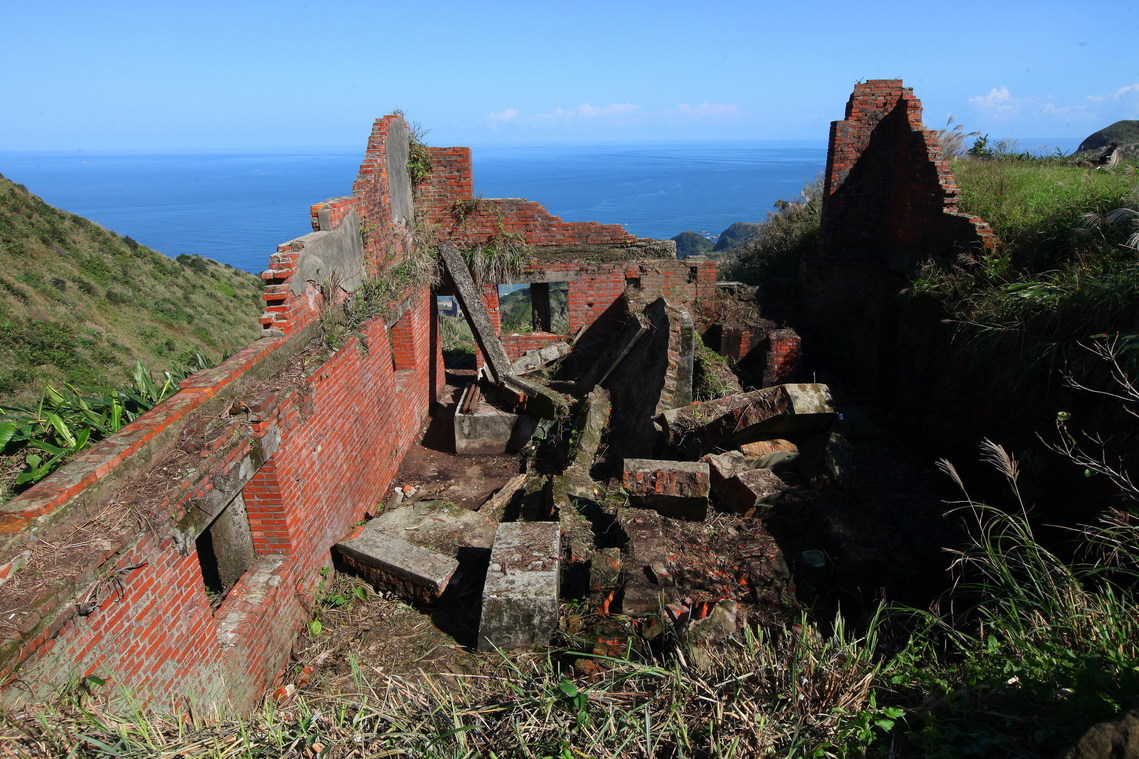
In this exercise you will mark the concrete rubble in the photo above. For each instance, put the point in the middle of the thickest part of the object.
(520, 597)
(650, 509)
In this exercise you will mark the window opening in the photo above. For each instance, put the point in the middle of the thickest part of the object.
(225, 550)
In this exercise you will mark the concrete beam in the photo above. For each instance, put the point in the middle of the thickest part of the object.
(793, 411)
(474, 310)
(520, 597)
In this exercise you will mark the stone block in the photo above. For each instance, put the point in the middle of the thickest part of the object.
(750, 491)
(673, 488)
(520, 597)
(795, 411)
(442, 526)
(742, 487)
(394, 564)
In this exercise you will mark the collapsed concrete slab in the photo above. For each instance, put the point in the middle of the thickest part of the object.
(673, 488)
(482, 429)
(394, 564)
(655, 375)
(439, 525)
(520, 596)
(631, 332)
(539, 358)
(793, 411)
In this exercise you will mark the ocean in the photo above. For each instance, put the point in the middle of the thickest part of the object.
(237, 206)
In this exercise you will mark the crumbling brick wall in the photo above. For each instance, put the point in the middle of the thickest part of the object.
(304, 438)
(889, 203)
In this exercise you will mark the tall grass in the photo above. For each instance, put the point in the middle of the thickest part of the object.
(1029, 648)
(784, 236)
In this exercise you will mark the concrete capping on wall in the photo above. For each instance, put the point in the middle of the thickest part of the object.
(332, 256)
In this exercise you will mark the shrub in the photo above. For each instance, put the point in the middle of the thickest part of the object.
(788, 232)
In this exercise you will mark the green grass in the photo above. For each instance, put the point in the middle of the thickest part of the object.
(781, 693)
(81, 305)
(1066, 269)
(1034, 206)
(1029, 649)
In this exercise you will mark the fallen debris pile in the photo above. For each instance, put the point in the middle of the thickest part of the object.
(646, 511)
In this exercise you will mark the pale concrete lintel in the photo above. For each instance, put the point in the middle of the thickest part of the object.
(520, 596)
(474, 310)
(391, 320)
(546, 275)
(225, 487)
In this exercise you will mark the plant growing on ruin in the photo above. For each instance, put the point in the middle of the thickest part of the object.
(952, 138)
(417, 267)
(418, 154)
(67, 421)
(788, 232)
(464, 207)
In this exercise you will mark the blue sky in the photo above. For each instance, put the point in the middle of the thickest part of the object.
(110, 75)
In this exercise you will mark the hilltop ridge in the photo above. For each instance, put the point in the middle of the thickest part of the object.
(81, 304)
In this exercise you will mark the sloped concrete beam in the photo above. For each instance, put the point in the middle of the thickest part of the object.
(475, 312)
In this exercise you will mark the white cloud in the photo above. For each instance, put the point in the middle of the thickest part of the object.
(501, 117)
(703, 111)
(999, 101)
(615, 113)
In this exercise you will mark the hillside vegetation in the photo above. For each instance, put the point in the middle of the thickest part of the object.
(81, 305)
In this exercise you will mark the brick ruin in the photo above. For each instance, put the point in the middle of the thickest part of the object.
(889, 203)
(180, 558)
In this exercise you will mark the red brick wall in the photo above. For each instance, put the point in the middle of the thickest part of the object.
(311, 439)
(336, 429)
(889, 203)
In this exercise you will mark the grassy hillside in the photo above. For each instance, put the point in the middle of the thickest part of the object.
(80, 304)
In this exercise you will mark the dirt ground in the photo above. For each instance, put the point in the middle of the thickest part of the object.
(433, 467)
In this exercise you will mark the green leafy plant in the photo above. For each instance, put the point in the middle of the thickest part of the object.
(66, 421)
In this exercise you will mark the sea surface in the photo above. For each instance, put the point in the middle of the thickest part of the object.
(237, 206)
